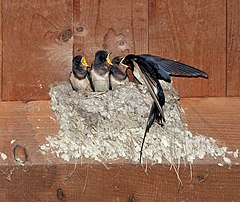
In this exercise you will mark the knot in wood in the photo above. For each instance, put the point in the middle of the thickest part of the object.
(80, 29)
(66, 35)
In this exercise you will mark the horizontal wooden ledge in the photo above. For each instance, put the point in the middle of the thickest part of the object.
(119, 183)
(28, 124)
(46, 178)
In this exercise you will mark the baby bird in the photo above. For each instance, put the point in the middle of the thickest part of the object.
(116, 76)
(100, 71)
(80, 78)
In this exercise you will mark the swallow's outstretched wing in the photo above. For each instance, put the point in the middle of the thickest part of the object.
(173, 68)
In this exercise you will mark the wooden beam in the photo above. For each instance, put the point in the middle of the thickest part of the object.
(215, 117)
(45, 177)
(233, 48)
(118, 183)
(37, 47)
(192, 32)
(30, 123)
(117, 27)
(1, 66)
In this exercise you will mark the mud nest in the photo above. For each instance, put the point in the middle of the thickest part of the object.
(110, 126)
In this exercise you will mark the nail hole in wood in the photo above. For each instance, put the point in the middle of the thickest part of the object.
(60, 194)
(20, 154)
(132, 199)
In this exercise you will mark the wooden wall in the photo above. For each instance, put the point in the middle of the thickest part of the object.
(39, 39)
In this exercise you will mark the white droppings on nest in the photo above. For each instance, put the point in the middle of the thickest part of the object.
(107, 126)
(3, 156)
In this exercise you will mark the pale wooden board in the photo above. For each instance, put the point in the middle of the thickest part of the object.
(37, 47)
(110, 25)
(192, 32)
(215, 117)
(233, 48)
(30, 123)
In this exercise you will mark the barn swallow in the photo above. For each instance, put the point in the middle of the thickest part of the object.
(80, 78)
(116, 76)
(100, 71)
(148, 69)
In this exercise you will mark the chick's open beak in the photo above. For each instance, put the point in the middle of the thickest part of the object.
(109, 59)
(84, 62)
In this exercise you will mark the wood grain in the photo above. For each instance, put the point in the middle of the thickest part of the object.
(110, 25)
(30, 123)
(37, 47)
(118, 183)
(27, 124)
(233, 48)
(192, 32)
(215, 117)
(1, 66)
(85, 180)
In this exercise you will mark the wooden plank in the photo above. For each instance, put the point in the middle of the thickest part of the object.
(215, 117)
(42, 175)
(117, 27)
(233, 48)
(118, 183)
(30, 123)
(37, 47)
(27, 125)
(1, 51)
(193, 32)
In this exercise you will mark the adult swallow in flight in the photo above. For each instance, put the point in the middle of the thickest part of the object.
(80, 78)
(100, 71)
(148, 69)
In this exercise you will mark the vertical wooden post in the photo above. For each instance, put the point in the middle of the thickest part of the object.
(1, 66)
(233, 48)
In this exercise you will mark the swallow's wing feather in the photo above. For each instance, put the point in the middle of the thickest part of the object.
(174, 68)
(150, 83)
(160, 72)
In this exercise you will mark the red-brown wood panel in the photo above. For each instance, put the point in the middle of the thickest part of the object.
(233, 48)
(193, 32)
(37, 49)
(117, 26)
(119, 183)
(1, 51)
